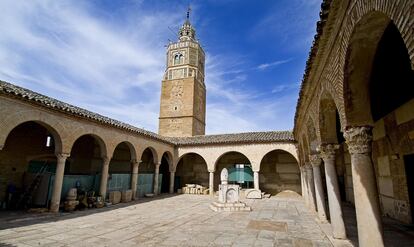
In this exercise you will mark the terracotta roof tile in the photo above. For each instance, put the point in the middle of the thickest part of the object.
(48, 102)
(248, 137)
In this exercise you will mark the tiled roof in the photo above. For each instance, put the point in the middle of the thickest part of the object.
(48, 102)
(323, 15)
(45, 101)
(248, 137)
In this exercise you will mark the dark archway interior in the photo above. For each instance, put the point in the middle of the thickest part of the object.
(165, 172)
(191, 169)
(29, 149)
(392, 79)
(121, 159)
(85, 156)
(83, 167)
(147, 165)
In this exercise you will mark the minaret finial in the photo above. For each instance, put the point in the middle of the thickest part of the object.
(188, 12)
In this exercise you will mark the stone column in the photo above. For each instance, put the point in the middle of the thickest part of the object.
(134, 178)
(156, 175)
(57, 185)
(304, 185)
(104, 176)
(172, 177)
(332, 187)
(211, 183)
(256, 179)
(317, 178)
(367, 208)
(311, 187)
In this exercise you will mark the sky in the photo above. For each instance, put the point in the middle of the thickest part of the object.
(108, 56)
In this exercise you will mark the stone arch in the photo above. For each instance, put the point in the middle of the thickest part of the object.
(358, 65)
(302, 153)
(52, 127)
(238, 164)
(361, 50)
(169, 158)
(132, 150)
(223, 154)
(191, 168)
(100, 141)
(279, 171)
(305, 146)
(190, 152)
(311, 135)
(328, 117)
(282, 150)
(154, 154)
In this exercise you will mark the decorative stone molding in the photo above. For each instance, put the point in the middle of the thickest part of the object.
(62, 156)
(308, 166)
(315, 159)
(327, 150)
(358, 139)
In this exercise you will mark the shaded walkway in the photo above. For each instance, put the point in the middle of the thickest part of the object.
(395, 233)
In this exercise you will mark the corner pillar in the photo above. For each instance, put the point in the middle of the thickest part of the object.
(319, 193)
(57, 185)
(367, 208)
(332, 187)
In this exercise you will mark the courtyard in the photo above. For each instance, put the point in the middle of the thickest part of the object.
(178, 220)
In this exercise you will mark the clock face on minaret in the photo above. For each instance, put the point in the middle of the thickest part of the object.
(183, 93)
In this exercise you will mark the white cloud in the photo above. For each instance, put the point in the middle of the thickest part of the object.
(67, 51)
(74, 53)
(264, 66)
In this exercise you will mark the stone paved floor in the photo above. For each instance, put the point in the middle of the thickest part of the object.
(181, 220)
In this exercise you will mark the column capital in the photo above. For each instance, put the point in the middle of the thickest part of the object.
(135, 162)
(62, 155)
(308, 166)
(327, 150)
(211, 171)
(358, 139)
(315, 160)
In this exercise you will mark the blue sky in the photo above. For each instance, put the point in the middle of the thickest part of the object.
(109, 56)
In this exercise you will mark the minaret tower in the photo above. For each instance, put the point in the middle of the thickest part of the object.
(183, 93)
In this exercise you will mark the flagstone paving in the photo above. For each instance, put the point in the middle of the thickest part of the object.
(180, 220)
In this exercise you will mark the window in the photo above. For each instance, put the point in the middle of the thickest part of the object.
(48, 141)
(178, 59)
